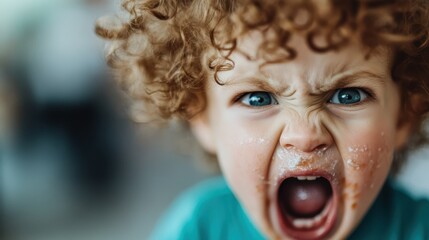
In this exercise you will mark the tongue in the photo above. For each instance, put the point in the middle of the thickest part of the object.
(305, 199)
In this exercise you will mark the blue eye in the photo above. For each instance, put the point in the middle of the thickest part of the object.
(258, 99)
(348, 96)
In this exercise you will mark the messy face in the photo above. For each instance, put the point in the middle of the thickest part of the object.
(305, 145)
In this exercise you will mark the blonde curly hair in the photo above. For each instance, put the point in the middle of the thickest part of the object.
(165, 51)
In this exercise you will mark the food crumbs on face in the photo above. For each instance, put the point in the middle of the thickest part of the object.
(352, 164)
(305, 163)
(343, 181)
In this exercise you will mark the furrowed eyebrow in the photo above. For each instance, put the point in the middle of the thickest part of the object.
(347, 78)
(261, 82)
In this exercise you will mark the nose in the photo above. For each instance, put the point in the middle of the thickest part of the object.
(304, 136)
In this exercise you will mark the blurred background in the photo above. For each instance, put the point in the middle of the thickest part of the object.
(72, 165)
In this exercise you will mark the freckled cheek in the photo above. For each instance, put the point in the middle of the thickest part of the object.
(367, 152)
(367, 160)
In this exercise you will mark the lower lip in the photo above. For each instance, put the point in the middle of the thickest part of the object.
(318, 232)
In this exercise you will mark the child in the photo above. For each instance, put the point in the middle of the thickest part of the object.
(305, 104)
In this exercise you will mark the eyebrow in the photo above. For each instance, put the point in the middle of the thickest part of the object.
(264, 82)
(346, 78)
(336, 81)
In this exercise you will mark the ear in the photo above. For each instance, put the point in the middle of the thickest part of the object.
(201, 128)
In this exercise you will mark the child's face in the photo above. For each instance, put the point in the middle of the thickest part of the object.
(332, 116)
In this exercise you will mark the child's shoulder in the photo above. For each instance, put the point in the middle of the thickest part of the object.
(208, 210)
(412, 212)
(396, 215)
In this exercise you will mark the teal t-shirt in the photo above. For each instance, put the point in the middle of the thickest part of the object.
(210, 211)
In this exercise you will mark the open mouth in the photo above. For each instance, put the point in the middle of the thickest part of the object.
(307, 206)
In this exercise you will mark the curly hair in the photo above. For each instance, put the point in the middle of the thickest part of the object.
(165, 51)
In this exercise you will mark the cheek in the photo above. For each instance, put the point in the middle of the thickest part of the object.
(367, 158)
(244, 158)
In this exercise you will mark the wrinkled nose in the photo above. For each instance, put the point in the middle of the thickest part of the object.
(305, 136)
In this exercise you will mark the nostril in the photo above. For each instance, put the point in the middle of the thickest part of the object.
(289, 146)
(321, 148)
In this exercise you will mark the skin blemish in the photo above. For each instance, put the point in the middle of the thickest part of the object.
(262, 179)
(352, 163)
(378, 165)
(356, 165)
(351, 193)
(353, 189)
(358, 158)
(343, 181)
(357, 149)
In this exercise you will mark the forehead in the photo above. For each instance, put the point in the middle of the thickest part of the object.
(315, 70)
